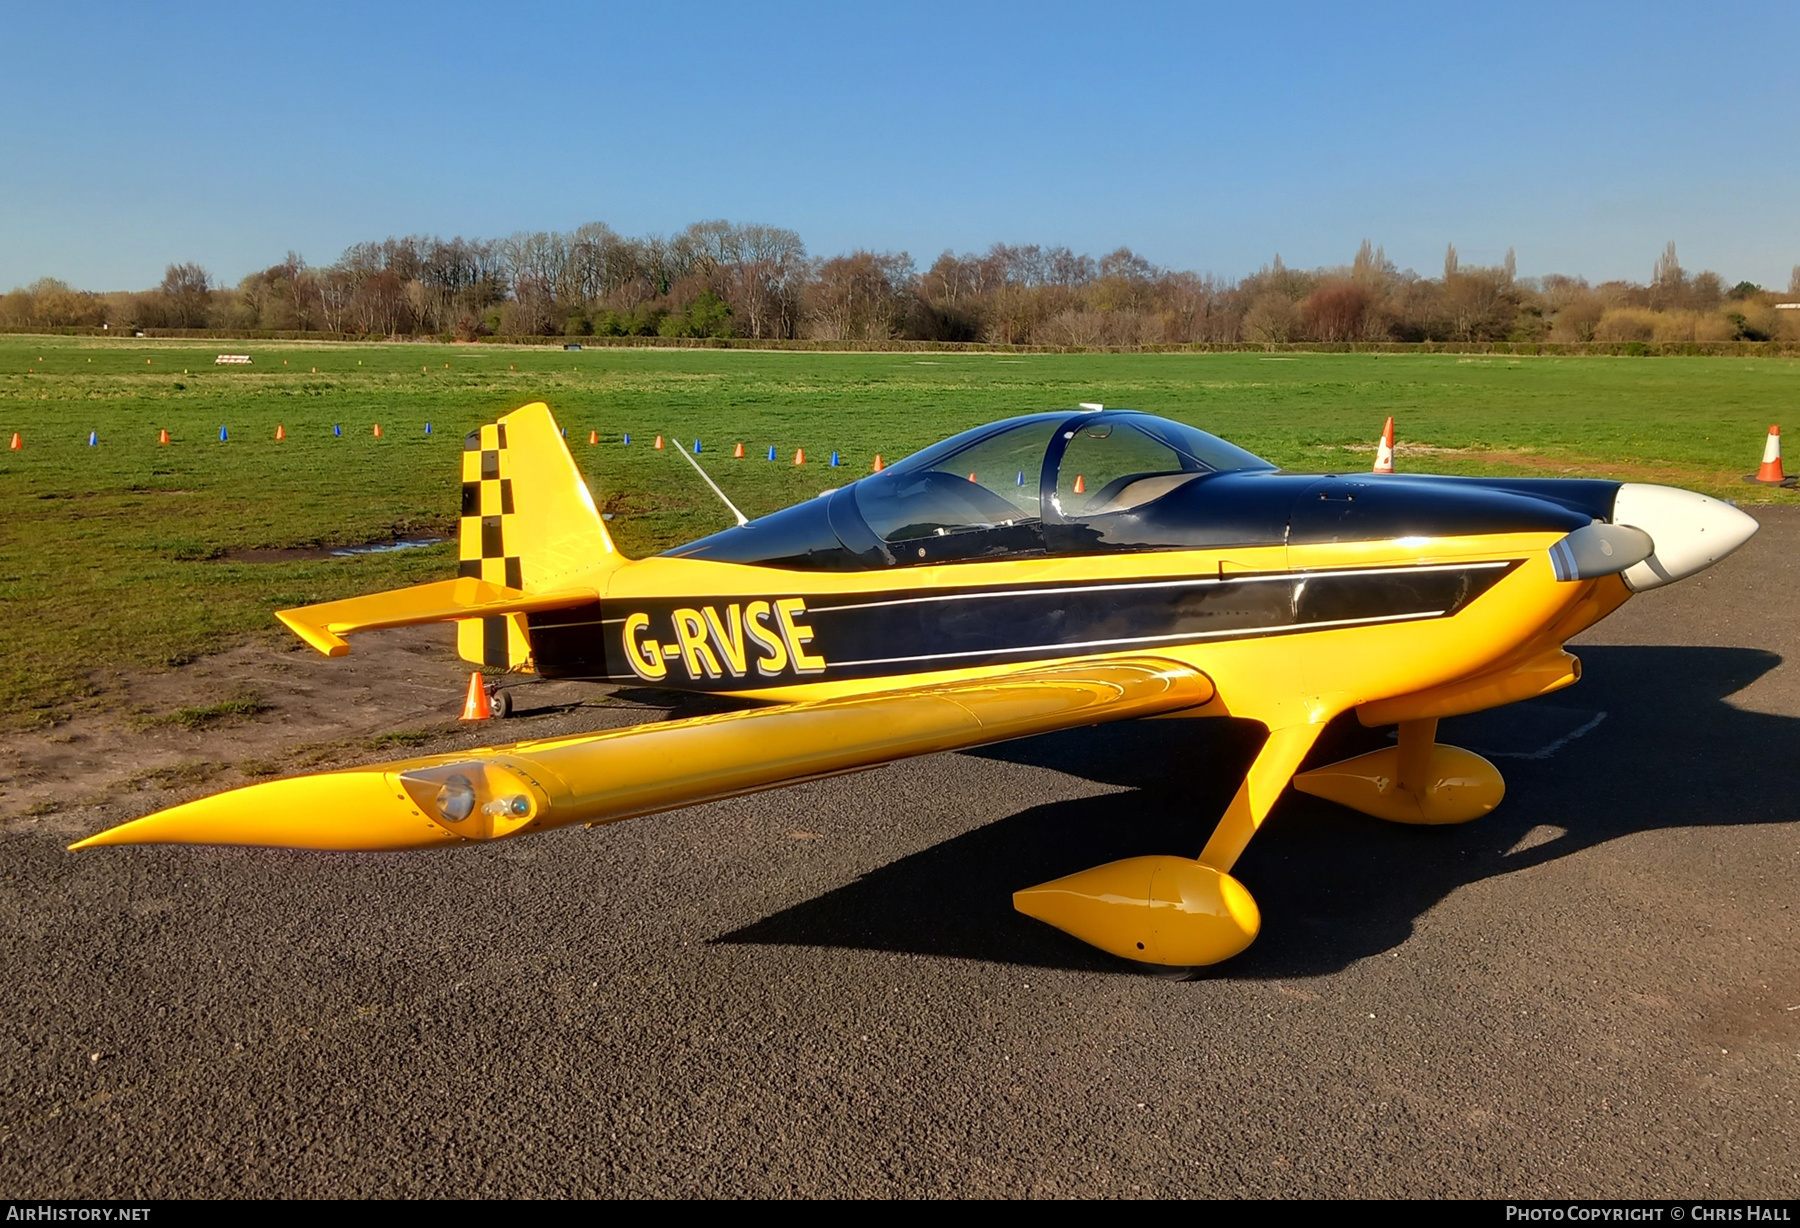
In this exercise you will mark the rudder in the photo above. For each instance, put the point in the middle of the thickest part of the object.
(528, 524)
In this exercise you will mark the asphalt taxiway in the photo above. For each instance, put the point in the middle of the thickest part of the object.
(824, 990)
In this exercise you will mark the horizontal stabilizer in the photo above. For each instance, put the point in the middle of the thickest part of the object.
(324, 626)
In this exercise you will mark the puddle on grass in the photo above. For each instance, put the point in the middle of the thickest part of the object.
(414, 543)
(292, 554)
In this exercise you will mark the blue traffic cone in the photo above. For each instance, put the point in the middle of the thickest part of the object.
(696, 447)
(428, 428)
(771, 451)
(1021, 477)
(337, 429)
(834, 459)
(93, 439)
(565, 432)
(222, 435)
(627, 438)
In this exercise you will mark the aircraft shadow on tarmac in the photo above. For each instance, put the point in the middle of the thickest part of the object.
(1334, 885)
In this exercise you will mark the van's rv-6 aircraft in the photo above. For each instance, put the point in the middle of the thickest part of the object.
(1035, 574)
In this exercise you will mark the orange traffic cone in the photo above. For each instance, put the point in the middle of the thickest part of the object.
(799, 456)
(162, 438)
(1384, 451)
(971, 477)
(281, 431)
(877, 467)
(738, 454)
(1769, 474)
(659, 443)
(476, 707)
(378, 430)
(17, 443)
(593, 437)
(1080, 486)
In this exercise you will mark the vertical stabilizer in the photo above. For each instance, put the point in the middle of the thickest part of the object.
(528, 523)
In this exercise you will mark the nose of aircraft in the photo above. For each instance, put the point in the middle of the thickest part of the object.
(1691, 531)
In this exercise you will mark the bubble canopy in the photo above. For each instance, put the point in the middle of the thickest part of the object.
(990, 492)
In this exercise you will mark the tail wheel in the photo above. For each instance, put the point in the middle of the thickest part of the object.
(502, 703)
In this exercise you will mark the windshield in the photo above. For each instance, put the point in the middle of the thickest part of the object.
(1116, 462)
(982, 479)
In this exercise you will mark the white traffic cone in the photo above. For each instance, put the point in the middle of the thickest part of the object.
(1384, 451)
(1769, 473)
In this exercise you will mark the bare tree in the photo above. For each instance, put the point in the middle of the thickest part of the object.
(1270, 319)
(300, 294)
(187, 287)
(861, 296)
(1668, 271)
(762, 270)
(334, 291)
(1336, 310)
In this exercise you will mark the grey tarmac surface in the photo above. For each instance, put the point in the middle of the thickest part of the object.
(1593, 991)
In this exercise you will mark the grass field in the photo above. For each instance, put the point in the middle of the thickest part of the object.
(129, 555)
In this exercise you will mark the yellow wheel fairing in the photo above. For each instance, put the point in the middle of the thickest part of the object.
(1458, 785)
(1154, 910)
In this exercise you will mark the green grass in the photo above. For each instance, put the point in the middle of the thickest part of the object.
(207, 715)
(128, 555)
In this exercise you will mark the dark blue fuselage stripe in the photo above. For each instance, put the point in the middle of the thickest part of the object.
(903, 634)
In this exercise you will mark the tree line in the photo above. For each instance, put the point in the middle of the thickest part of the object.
(720, 279)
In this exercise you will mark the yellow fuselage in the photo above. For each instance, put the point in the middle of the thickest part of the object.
(1299, 674)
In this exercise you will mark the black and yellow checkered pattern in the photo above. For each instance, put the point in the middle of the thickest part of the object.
(487, 500)
(487, 505)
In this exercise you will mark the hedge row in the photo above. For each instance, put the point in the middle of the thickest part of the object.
(1617, 349)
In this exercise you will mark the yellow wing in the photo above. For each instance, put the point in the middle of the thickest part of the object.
(601, 778)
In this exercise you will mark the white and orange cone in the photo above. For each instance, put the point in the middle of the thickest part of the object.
(1769, 473)
(659, 443)
(799, 456)
(877, 467)
(476, 707)
(1384, 451)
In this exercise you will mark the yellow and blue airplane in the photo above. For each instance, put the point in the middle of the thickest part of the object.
(1035, 574)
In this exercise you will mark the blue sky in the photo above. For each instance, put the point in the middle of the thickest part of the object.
(1203, 136)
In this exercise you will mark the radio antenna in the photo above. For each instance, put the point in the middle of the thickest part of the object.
(715, 486)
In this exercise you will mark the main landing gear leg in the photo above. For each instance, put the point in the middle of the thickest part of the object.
(1170, 910)
(1419, 780)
